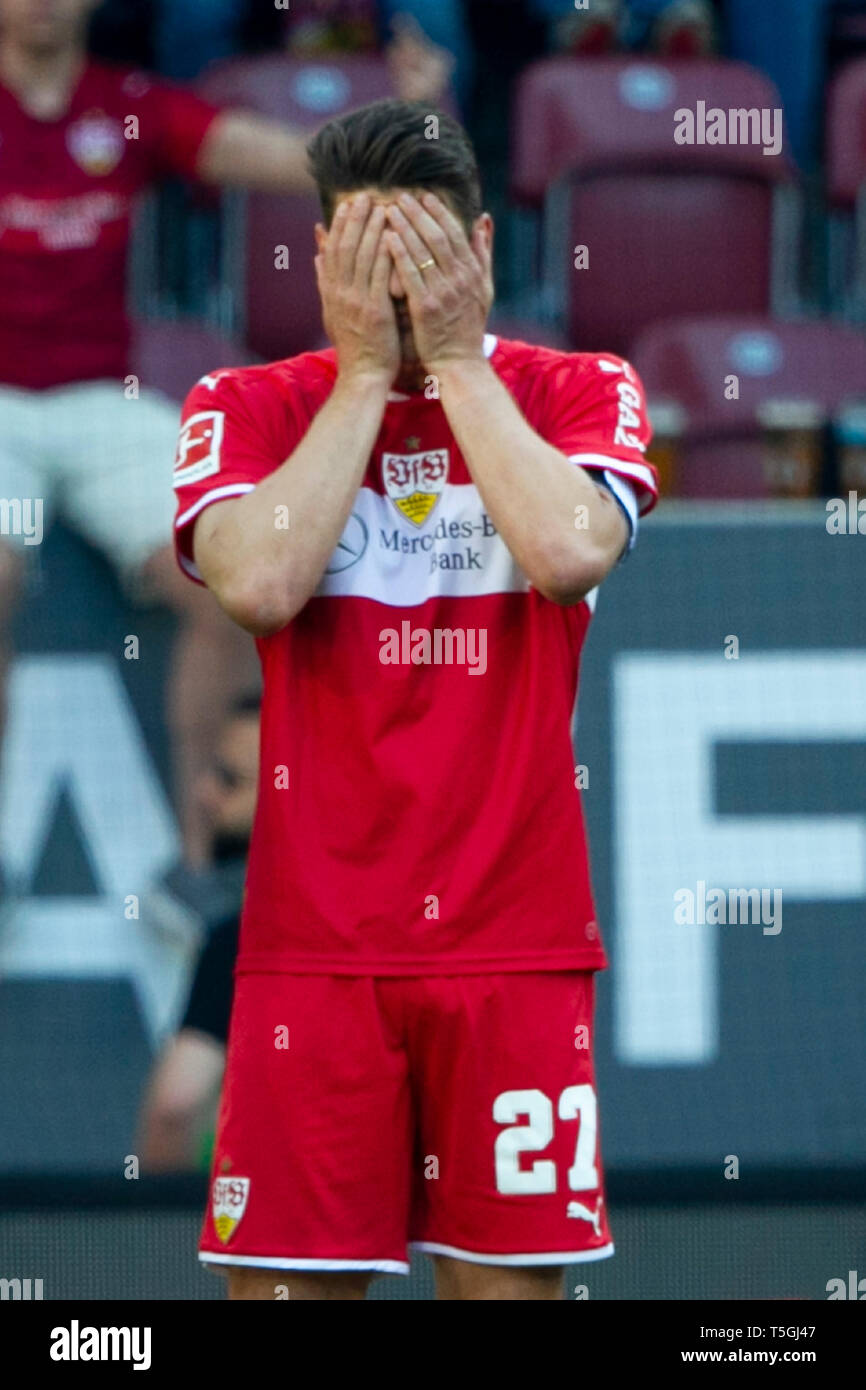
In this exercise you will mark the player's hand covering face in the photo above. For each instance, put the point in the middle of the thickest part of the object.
(353, 269)
(446, 278)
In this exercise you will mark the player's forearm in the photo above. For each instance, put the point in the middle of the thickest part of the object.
(264, 554)
(242, 150)
(529, 489)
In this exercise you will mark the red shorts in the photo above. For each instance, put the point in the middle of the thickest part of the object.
(363, 1115)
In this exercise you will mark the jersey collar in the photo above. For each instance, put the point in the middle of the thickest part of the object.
(490, 341)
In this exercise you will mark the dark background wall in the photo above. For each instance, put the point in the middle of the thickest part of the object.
(776, 1074)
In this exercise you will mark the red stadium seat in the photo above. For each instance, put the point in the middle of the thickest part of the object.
(846, 188)
(296, 90)
(670, 228)
(687, 361)
(281, 310)
(171, 356)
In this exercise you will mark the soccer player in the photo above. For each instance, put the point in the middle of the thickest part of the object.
(79, 141)
(414, 525)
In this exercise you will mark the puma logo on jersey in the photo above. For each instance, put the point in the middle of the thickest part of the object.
(582, 1213)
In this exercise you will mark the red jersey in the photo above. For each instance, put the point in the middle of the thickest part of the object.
(67, 188)
(417, 808)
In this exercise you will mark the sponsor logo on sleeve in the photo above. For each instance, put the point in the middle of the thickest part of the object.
(198, 448)
(628, 417)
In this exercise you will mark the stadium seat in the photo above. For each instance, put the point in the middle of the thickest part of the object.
(846, 189)
(689, 361)
(669, 228)
(171, 356)
(280, 312)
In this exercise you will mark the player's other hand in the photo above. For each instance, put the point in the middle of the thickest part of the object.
(353, 268)
(447, 279)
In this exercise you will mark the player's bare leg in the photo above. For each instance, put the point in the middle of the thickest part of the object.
(213, 662)
(273, 1284)
(462, 1280)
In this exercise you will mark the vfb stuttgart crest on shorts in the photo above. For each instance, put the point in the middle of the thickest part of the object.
(415, 482)
(229, 1204)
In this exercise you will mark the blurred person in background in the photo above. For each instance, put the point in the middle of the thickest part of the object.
(671, 28)
(787, 39)
(425, 45)
(176, 1124)
(78, 142)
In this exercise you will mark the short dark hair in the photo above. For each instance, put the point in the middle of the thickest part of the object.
(389, 144)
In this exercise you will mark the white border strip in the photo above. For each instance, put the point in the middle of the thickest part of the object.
(559, 1257)
(629, 470)
(216, 494)
(725, 511)
(279, 1262)
(189, 568)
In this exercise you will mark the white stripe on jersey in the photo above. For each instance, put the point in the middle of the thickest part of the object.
(638, 471)
(382, 556)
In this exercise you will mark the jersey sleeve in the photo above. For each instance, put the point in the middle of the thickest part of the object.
(595, 412)
(232, 434)
(174, 122)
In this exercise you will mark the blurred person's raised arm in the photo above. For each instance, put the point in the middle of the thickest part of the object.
(227, 147)
(243, 150)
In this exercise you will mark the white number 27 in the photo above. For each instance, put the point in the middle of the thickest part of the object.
(576, 1102)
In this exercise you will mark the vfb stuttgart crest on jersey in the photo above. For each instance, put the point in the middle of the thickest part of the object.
(229, 1204)
(95, 142)
(415, 482)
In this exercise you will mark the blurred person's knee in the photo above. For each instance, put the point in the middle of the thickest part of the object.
(11, 582)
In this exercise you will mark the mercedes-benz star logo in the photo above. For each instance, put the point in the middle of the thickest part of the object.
(350, 547)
